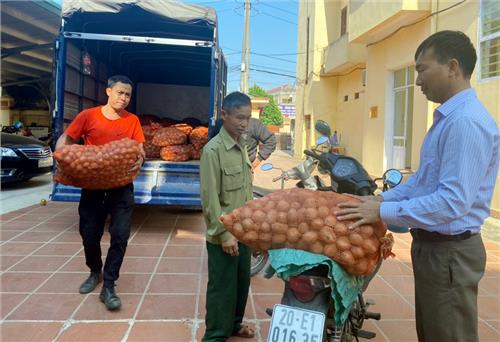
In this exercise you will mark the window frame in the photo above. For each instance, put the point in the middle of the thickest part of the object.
(481, 39)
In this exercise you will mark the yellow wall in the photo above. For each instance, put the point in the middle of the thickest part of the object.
(322, 98)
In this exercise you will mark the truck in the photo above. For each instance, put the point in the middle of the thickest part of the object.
(170, 51)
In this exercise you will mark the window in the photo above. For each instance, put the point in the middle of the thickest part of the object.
(490, 39)
(343, 21)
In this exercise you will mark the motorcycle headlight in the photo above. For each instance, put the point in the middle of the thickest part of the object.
(8, 152)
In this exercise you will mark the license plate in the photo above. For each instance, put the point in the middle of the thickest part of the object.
(45, 162)
(290, 324)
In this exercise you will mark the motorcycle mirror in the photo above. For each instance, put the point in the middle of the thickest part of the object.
(392, 177)
(323, 127)
(322, 140)
(266, 167)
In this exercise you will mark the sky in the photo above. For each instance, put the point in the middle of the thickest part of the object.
(273, 39)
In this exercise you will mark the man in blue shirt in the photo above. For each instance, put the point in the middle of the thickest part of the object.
(448, 198)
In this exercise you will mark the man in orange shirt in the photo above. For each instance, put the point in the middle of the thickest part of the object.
(98, 126)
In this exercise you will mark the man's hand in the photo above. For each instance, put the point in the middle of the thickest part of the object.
(377, 198)
(366, 212)
(255, 163)
(231, 247)
(137, 165)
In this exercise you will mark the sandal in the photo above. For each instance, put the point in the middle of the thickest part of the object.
(245, 331)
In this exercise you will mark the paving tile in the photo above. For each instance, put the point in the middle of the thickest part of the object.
(149, 239)
(179, 265)
(491, 285)
(76, 264)
(64, 283)
(68, 249)
(9, 301)
(379, 286)
(185, 237)
(6, 261)
(487, 333)
(35, 237)
(22, 332)
(392, 307)
(19, 225)
(69, 236)
(178, 307)
(93, 309)
(165, 283)
(402, 284)
(399, 330)
(51, 227)
(132, 283)
(260, 285)
(394, 267)
(201, 331)
(160, 331)
(40, 263)
(95, 332)
(21, 282)
(19, 248)
(488, 307)
(47, 307)
(183, 251)
(143, 250)
(138, 265)
(6, 235)
(262, 302)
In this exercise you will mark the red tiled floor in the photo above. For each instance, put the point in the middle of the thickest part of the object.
(47, 307)
(143, 251)
(35, 237)
(138, 265)
(6, 235)
(40, 263)
(9, 301)
(23, 332)
(179, 265)
(63, 283)
(95, 332)
(19, 248)
(167, 307)
(93, 309)
(132, 283)
(7, 261)
(21, 282)
(53, 248)
(167, 283)
(183, 251)
(149, 238)
(160, 331)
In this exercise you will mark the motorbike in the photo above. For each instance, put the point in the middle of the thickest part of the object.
(309, 292)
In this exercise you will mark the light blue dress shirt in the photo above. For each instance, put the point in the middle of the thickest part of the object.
(451, 191)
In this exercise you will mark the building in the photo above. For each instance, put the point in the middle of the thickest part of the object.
(355, 70)
(284, 94)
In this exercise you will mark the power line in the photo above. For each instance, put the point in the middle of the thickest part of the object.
(278, 18)
(274, 68)
(276, 58)
(272, 73)
(277, 8)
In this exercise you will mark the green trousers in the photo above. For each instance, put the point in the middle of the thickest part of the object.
(227, 291)
(447, 275)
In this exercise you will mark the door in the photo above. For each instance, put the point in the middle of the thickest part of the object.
(403, 118)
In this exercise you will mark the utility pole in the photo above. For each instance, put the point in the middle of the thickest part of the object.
(245, 51)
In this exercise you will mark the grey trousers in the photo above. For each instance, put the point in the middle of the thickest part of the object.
(447, 275)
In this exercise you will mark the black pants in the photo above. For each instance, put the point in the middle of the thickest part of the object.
(95, 205)
(446, 286)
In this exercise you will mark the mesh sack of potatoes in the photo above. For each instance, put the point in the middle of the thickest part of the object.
(199, 137)
(184, 128)
(169, 136)
(305, 220)
(176, 153)
(97, 167)
(150, 130)
(195, 153)
(151, 150)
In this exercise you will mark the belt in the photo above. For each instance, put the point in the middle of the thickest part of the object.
(424, 235)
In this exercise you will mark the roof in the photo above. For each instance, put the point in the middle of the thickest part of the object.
(28, 32)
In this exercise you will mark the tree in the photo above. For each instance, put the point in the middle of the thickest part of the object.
(271, 115)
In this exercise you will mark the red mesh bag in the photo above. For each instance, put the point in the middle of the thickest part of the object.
(169, 136)
(150, 130)
(184, 128)
(151, 150)
(199, 137)
(195, 153)
(176, 153)
(97, 167)
(304, 219)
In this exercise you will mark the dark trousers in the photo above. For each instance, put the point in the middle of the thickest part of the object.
(95, 205)
(447, 275)
(227, 291)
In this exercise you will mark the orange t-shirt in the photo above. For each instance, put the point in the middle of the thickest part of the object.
(96, 129)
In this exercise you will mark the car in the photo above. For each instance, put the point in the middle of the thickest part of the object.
(23, 158)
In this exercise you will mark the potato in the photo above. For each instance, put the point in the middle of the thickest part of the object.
(303, 219)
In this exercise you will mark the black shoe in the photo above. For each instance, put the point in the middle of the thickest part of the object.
(91, 282)
(110, 299)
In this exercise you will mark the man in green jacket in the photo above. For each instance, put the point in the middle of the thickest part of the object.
(226, 184)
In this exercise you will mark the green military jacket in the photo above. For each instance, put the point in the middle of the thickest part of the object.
(226, 182)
